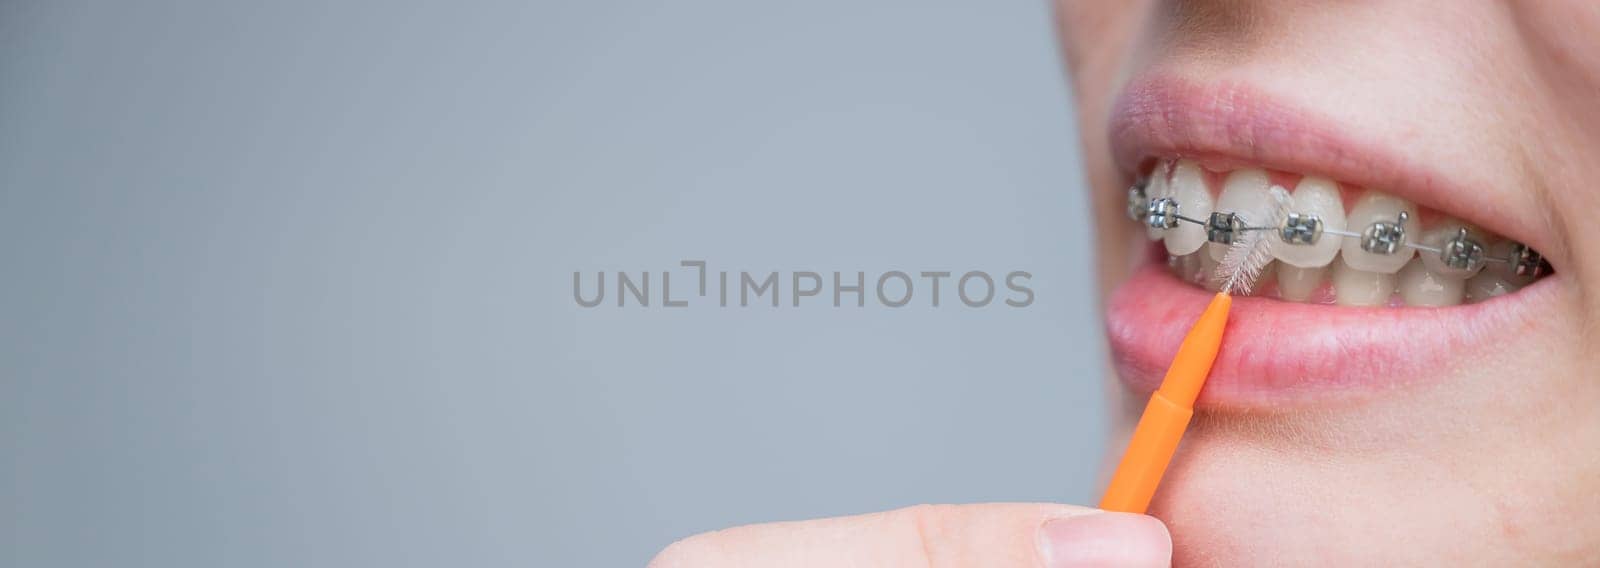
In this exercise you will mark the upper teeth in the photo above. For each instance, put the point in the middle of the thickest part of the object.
(1242, 190)
(1381, 238)
(1301, 229)
(1188, 188)
(1381, 218)
(1316, 198)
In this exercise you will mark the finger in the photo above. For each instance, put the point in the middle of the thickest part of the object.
(999, 535)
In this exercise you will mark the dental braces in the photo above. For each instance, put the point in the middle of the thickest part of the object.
(1461, 255)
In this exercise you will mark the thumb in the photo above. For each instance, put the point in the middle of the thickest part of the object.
(1000, 535)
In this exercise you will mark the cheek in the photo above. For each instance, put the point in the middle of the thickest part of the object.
(1094, 35)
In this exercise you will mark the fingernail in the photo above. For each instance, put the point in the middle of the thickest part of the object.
(1105, 539)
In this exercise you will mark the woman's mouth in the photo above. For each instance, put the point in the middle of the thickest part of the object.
(1367, 290)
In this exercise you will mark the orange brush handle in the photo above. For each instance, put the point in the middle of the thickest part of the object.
(1167, 416)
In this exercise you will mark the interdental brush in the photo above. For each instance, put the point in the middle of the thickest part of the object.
(1167, 415)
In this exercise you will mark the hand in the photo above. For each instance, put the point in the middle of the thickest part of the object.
(998, 535)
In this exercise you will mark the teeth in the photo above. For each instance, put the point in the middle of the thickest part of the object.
(1194, 268)
(1372, 207)
(1269, 274)
(1320, 197)
(1488, 284)
(1298, 284)
(1497, 278)
(1502, 249)
(1355, 287)
(1436, 236)
(1186, 267)
(1263, 280)
(1337, 269)
(1244, 190)
(1206, 266)
(1188, 187)
(1420, 285)
(1158, 189)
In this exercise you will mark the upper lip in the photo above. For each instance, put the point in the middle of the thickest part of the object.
(1275, 351)
(1239, 124)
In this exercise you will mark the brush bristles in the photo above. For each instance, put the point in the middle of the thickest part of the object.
(1251, 250)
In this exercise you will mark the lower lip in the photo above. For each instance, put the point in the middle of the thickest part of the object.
(1276, 353)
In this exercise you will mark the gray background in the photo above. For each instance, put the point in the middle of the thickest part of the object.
(289, 283)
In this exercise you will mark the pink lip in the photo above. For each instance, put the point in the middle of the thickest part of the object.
(1228, 124)
(1278, 353)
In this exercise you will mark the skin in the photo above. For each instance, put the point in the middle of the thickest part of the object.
(1001, 535)
(1479, 467)
(1492, 463)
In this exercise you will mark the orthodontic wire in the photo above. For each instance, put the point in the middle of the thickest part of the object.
(1339, 232)
(1466, 252)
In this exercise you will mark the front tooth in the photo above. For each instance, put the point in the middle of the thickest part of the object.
(1297, 284)
(1320, 197)
(1208, 267)
(1194, 268)
(1422, 286)
(1376, 206)
(1188, 188)
(1244, 190)
(1355, 287)
(1265, 280)
(1185, 268)
(1158, 189)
